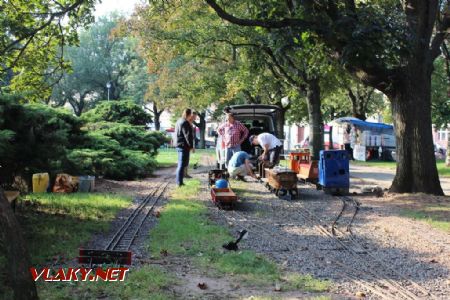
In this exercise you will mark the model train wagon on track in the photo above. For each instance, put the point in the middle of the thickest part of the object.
(281, 181)
(221, 193)
(223, 197)
(307, 170)
(216, 174)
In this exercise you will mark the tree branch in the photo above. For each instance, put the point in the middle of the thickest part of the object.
(442, 33)
(282, 23)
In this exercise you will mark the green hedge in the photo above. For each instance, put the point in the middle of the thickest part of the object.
(37, 138)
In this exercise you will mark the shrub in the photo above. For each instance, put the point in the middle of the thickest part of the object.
(37, 138)
(118, 112)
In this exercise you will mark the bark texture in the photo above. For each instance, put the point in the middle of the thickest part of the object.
(315, 118)
(156, 116)
(17, 256)
(411, 109)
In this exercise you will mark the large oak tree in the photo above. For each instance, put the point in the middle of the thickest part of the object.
(390, 46)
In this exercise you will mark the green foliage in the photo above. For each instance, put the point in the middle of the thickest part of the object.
(31, 38)
(37, 138)
(439, 94)
(101, 57)
(118, 111)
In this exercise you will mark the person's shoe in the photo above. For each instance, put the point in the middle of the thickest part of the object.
(180, 185)
(187, 176)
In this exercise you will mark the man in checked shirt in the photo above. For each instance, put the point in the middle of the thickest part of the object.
(233, 133)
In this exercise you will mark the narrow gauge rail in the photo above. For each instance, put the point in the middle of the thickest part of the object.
(369, 278)
(127, 233)
(345, 204)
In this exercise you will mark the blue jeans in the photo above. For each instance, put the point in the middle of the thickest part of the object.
(230, 151)
(183, 162)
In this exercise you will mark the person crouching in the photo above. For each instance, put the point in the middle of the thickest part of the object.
(240, 166)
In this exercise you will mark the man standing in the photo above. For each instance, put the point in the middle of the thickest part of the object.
(184, 143)
(191, 120)
(239, 165)
(271, 145)
(233, 133)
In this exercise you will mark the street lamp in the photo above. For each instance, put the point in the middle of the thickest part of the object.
(108, 86)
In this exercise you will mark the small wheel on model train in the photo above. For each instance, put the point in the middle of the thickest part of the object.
(293, 193)
(267, 185)
(282, 192)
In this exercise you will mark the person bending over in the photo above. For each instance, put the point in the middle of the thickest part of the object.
(271, 146)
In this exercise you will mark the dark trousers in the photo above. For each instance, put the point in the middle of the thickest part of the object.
(183, 162)
(349, 150)
(274, 155)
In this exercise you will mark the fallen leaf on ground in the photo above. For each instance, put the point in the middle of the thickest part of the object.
(360, 294)
(202, 286)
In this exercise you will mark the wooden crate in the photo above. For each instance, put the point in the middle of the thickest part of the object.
(282, 179)
(223, 196)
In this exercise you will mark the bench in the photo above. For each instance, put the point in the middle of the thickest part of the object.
(12, 196)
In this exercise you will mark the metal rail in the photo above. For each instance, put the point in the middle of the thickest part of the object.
(126, 234)
(368, 278)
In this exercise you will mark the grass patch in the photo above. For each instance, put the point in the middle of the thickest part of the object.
(435, 215)
(148, 282)
(185, 229)
(443, 170)
(169, 157)
(55, 225)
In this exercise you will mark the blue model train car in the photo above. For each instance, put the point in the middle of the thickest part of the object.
(334, 171)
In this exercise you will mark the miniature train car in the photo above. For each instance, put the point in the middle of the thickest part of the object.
(334, 172)
(223, 197)
(307, 170)
(216, 174)
(281, 181)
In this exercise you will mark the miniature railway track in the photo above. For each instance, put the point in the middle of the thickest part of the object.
(371, 278)
(374, 267)
(345, 204)
(128, 231)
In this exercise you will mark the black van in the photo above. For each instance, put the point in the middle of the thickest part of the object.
(258, 118)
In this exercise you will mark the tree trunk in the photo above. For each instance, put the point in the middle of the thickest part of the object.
(447, 157)
(16, 253)
(411, 110)
(358, 107)
(280, 120)
(202, 127)
(315, 118)
(157, 117)
(330, 138)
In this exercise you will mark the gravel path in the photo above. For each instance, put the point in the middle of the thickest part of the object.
(387, 256)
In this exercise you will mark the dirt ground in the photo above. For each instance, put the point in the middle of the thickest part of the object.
(383, 255)
(383, 177)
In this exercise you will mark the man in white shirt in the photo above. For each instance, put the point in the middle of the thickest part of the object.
(271, 146)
